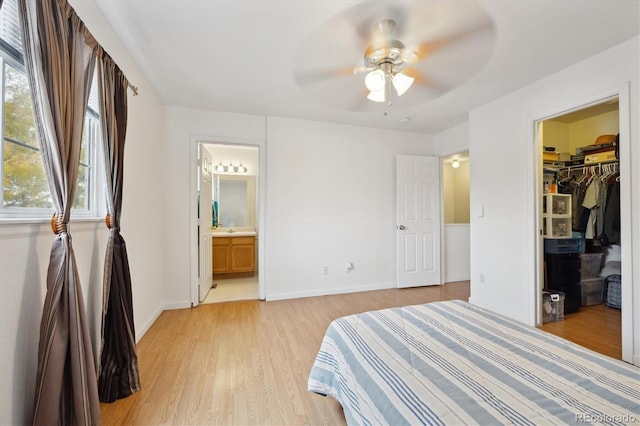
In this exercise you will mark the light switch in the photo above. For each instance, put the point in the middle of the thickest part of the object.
(480, 211)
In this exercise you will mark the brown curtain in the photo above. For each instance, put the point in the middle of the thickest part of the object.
(118, 373)
(59, 66)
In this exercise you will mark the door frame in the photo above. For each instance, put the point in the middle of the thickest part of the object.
(443, 226)
(537, 243)
(193, 206)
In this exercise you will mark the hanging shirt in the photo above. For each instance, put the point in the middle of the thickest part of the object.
(592, 196)
(590, 201)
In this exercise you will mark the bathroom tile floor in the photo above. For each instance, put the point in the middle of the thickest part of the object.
(233, 289)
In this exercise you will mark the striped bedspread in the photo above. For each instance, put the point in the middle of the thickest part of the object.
(451, 363)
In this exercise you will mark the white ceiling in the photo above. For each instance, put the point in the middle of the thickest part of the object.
(240, 55)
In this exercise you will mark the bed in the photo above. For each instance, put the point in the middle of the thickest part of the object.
(452, 363)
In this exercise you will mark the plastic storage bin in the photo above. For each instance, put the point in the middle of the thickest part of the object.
(557, 227)
(562, 245)
(591, 291)
(590, 264)
(557, 204)
(556, 212)
(552, 306)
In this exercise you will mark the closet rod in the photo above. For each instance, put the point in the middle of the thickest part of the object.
(584, 166)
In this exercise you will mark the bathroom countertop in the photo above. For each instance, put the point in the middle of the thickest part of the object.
(232, 233)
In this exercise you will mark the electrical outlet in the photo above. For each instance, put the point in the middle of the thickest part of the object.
(483, 279)
(326, 270)
(349, 266)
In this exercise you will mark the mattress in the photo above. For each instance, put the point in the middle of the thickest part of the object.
(452, 363)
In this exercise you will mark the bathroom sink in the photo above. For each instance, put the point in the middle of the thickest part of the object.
(233, 232)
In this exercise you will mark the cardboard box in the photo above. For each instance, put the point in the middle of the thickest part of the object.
(599, 157)
(556, 156)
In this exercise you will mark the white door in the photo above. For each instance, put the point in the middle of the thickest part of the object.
(205, 215)
(418, 220)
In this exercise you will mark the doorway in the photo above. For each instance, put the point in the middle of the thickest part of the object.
(230, 223)
(456, 198)
(580, 250)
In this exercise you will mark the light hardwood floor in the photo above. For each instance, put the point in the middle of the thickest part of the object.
(247, 362)
(596, 327)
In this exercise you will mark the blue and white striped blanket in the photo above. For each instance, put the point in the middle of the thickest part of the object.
(451, 363)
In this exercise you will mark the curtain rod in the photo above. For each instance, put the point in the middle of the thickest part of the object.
(134, 89)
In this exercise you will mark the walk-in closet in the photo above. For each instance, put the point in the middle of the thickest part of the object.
(581, 224)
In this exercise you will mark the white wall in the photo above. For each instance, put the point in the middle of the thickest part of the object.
(25, 248)
(187, 127)
(329, 195)
(457, 264)
(331, 200)
(452, 141)
(503, 180)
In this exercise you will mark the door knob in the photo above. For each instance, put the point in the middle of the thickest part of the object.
(402, 227)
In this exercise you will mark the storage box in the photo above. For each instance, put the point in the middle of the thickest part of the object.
(591, 289)
(562, 245)
(552, 306)
(556, 156)
(557, 227)
(599, 157)
(590, 264)
(556, 204)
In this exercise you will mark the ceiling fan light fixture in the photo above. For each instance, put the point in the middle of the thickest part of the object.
(402, 82)
(377, 95)
(374, 81)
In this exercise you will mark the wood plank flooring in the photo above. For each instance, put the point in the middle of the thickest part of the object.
(596, 327)
(247, 362)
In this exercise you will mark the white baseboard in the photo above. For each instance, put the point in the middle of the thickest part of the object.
(179, 305)
(454, 278)
(141, 332)
(329, 291)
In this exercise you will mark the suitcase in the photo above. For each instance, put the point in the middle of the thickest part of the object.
(611, 291)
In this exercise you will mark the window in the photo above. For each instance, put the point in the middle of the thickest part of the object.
(25, 191)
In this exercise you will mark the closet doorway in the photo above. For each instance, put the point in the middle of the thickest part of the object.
(581, 234)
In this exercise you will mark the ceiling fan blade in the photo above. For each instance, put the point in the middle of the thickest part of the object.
(315, 76)
(451, 61)
(446, 43)
(425, 49)
(423, 86)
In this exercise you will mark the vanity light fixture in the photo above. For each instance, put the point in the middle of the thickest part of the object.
(230, 168)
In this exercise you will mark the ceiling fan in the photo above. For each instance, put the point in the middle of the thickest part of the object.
(379, 52)
(386, 60)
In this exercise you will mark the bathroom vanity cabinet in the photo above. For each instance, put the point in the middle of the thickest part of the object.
(233, 254)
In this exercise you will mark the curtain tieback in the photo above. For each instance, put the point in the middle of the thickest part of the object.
(57, 224)
(108, 220)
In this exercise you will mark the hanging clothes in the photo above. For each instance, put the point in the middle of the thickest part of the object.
(611, 226)
(590, 201)
(590, 188)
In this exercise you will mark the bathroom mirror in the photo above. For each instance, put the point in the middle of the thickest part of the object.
(235, 196)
